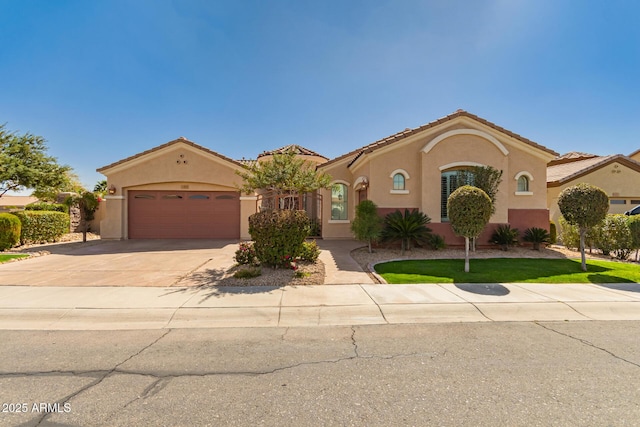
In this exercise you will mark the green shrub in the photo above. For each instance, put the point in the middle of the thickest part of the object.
(315, 228)
(613, 236)
(246, 254)
(505, 236)
(278, 235)
(553, 233)
(634, 228)
(569, 234)
(51, 207)
(310, 251)
(9, 231)
(367, 225)
(247, 272)
(408, 228)
(42, 226)
(536, 236)
(436, 242)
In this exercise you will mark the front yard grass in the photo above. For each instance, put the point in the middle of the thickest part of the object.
(7, 257)
(508, 270)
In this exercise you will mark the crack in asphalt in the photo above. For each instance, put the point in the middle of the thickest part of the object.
(163, 380)
(98, 380)
(589, 344)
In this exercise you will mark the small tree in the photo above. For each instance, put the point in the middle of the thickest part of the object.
(367, 225)
(410, 227)
(469, 210)
(284, 175)
(87, 202)
(24, 163)
(486, 178)
(585, 206)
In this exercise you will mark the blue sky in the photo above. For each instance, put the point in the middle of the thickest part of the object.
(103, 80)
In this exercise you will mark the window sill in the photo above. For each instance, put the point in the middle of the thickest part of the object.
(339, 221)
(399, 191)
(524, 193)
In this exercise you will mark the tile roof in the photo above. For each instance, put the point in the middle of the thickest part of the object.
(408, 132)
(560, 173)
(572, 156)
(182, 140)
(297, 149)
(17, 200)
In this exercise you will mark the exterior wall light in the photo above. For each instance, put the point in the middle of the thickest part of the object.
(112, 189)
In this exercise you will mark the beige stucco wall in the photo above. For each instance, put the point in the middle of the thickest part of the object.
(426, 155)
(177, 167)
(618, 181)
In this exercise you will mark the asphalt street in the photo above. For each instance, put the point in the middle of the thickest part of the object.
(584, 373)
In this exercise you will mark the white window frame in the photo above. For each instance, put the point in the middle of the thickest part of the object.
(406, 176)
(529, 178)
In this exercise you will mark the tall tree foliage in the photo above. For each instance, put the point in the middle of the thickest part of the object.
(284, 174)
(24, 163)
(486, 178)
(585, 206)
(469, 210)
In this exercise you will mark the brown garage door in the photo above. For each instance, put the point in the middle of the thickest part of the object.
(184, 215)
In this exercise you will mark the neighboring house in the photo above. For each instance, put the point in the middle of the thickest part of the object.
(617, 175)
(416, 169)
(181, 189)
(15, 203)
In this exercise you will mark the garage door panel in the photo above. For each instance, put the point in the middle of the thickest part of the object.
(193, 215)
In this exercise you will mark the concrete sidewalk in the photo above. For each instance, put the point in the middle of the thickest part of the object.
(113, 308)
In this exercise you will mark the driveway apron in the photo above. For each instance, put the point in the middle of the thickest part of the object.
(120, 263)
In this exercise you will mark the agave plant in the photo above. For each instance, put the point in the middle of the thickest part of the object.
(410, 227)
(536, 236)
(505, 236)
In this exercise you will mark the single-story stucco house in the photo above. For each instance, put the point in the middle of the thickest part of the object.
(183, 190)
(618, 175)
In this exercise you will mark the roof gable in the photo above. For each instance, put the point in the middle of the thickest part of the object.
(180, 141)
(403, 135)
(561, 173)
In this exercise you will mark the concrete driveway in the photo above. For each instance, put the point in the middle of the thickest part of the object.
(121, 263)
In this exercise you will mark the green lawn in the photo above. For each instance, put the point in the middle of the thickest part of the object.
(508, 270)
(6, 257)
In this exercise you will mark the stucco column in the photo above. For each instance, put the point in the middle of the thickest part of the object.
(247, 208)
(112, 227)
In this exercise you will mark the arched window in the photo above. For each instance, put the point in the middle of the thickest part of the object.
(398, 182)
(339, 202)
(523, 183)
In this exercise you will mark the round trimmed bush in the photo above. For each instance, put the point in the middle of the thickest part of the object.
(10, 227)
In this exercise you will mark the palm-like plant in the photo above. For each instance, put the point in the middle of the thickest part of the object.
(410, 227)
(536, 236)
(505, 236)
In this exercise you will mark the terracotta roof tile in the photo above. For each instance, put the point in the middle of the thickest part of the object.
(572, 156)
(297, 149)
